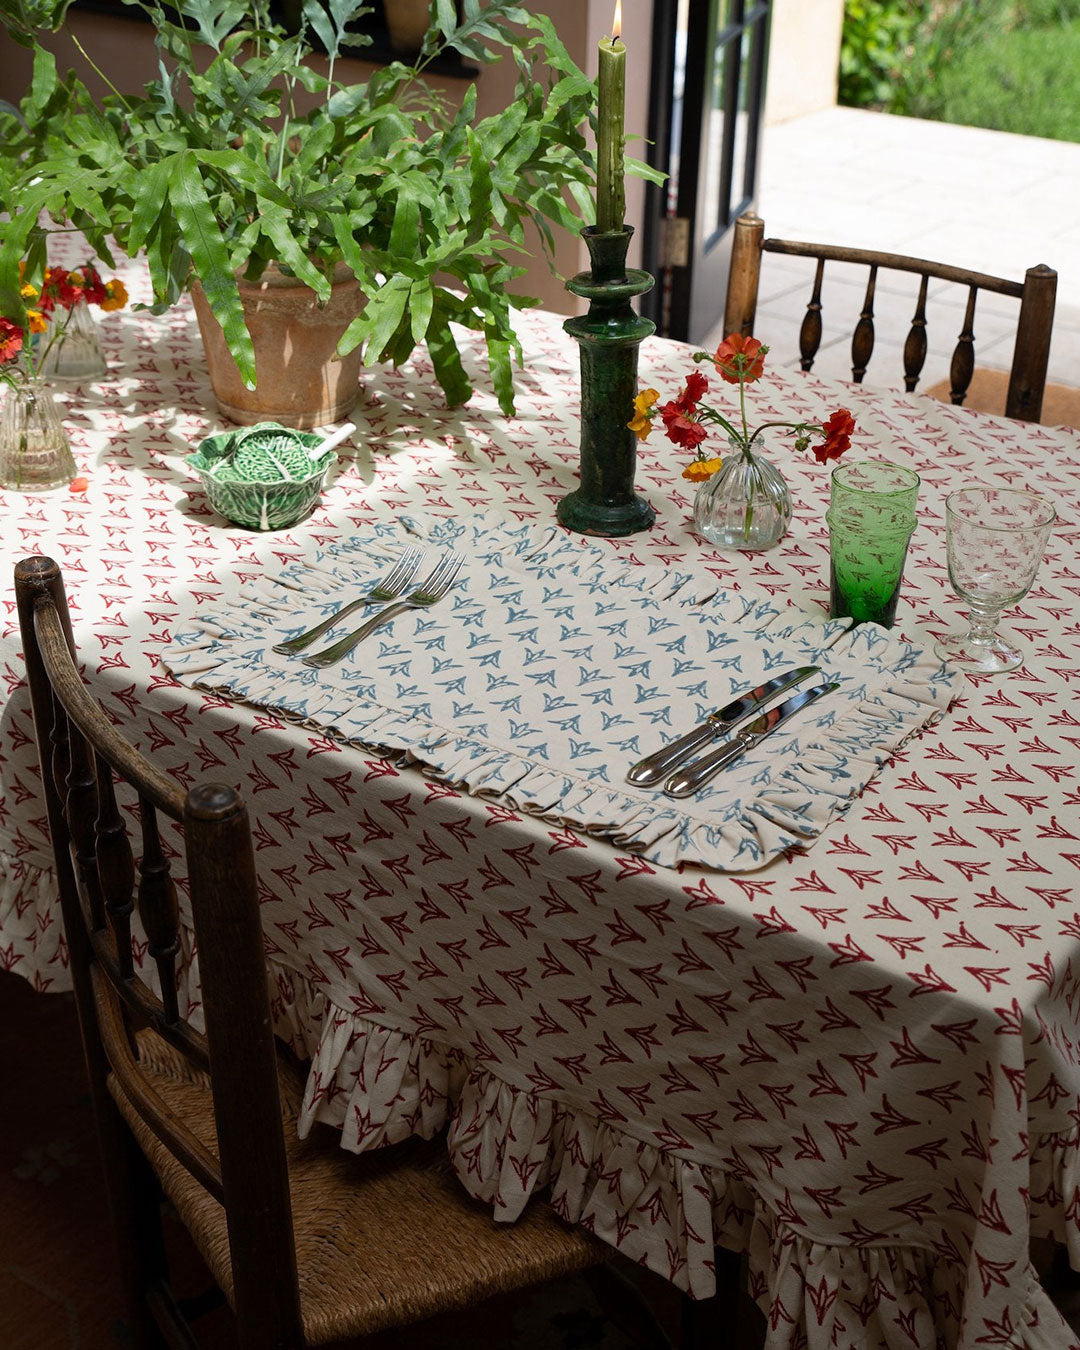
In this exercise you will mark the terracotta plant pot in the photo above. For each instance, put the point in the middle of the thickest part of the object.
(407, 22)
(300, 382)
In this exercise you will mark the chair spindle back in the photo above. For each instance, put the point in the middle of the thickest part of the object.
(101, 884)
(1031, 353)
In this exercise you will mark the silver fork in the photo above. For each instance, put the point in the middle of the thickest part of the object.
(395, 581)
(430, 590)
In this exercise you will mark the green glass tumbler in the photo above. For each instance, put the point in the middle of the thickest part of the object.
(871, 518)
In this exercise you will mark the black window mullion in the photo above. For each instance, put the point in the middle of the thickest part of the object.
(732, 67)
(755, 104)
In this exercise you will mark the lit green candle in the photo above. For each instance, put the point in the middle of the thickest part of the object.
(610, 189)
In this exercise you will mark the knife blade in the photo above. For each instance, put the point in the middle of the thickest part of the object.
(689, 779)
(656, 767)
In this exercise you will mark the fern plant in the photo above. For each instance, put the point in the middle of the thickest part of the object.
(214, 171)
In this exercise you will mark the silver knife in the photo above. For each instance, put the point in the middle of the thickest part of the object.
(655, 768)
(694, 776)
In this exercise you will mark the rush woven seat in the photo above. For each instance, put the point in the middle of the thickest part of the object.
(989, 391)
(366, 1227)
(1035, 315)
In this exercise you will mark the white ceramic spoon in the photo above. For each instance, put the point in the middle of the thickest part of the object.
(333, 440)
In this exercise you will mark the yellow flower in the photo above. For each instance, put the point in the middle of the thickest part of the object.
(641, 422)
(28, 292)
(116, 296)
(38, 321)
(700, 469)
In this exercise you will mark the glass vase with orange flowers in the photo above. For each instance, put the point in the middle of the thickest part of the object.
(77, 352)
(743, 500)
(35, 453)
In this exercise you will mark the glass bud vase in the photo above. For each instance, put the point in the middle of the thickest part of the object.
(745, 504)
(34, 451)
(77, 354)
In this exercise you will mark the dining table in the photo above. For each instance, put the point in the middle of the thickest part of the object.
(845, 1044)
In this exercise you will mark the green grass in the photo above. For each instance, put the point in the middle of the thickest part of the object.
(1025, 80)
(1011, 65)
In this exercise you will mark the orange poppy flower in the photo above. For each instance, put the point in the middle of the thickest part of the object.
(116, 296)
(641, 422)
(700, 469)
(740, 358)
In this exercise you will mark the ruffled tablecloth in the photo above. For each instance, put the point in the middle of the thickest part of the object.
(548, 670)
(858, 1063)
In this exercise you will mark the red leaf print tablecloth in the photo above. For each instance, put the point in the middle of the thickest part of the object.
(859, 1063)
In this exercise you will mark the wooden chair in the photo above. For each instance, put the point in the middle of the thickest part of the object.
(1031, 353)
(310, 1244)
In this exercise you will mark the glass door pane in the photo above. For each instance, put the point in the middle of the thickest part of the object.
(704, 123)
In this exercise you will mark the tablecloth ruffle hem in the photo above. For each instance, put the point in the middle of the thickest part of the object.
(1055, 1189)
(30, 920)
(380, 1085)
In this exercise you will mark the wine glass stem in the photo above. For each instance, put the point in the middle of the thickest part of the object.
(984, 622)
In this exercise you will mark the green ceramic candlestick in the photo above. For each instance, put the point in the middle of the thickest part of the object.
(609, 335)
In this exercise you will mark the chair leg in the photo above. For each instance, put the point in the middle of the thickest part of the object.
(624, 1306)
(136, 1216)
(728, 1320)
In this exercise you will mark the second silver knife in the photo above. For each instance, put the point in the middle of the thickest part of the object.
(655, 768)
(688, 780)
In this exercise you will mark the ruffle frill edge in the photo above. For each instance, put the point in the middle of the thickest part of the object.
(32, 942)
(226, 652)
(380, 1085)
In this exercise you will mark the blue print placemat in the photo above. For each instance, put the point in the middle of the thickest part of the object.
(552, 667)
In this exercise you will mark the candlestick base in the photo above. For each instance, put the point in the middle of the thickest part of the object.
(609, 336)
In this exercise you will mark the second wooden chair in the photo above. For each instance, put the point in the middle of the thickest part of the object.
(1036, 294)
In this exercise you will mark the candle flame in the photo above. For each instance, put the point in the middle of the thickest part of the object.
(616, 23)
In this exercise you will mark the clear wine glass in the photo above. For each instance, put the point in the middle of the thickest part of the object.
(995, 539)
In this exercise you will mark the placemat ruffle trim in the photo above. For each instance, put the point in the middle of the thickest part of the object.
(380, 1085)
(794, 809)
(901, 697)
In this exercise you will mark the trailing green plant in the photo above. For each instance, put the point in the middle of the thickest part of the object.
(248, 149)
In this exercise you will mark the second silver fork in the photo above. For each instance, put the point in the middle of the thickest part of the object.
(430, 590)
(391, 586)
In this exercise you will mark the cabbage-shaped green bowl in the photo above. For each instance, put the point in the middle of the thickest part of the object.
(262, 476)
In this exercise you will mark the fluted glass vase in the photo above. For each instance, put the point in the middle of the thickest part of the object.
(745, 504)
(34, 451)
(77, 354)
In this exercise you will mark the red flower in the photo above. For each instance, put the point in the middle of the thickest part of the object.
(740, 358)
(696, 388)
(680, 427)
(837, 431)
(11, 341)
(58, 289)
(93, 287)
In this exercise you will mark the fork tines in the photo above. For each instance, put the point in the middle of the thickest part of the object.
(443, 574)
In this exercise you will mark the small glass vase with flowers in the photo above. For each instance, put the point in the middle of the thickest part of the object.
(35, 453)
(743, 500)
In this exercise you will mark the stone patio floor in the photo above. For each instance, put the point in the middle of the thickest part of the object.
(988, 200)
